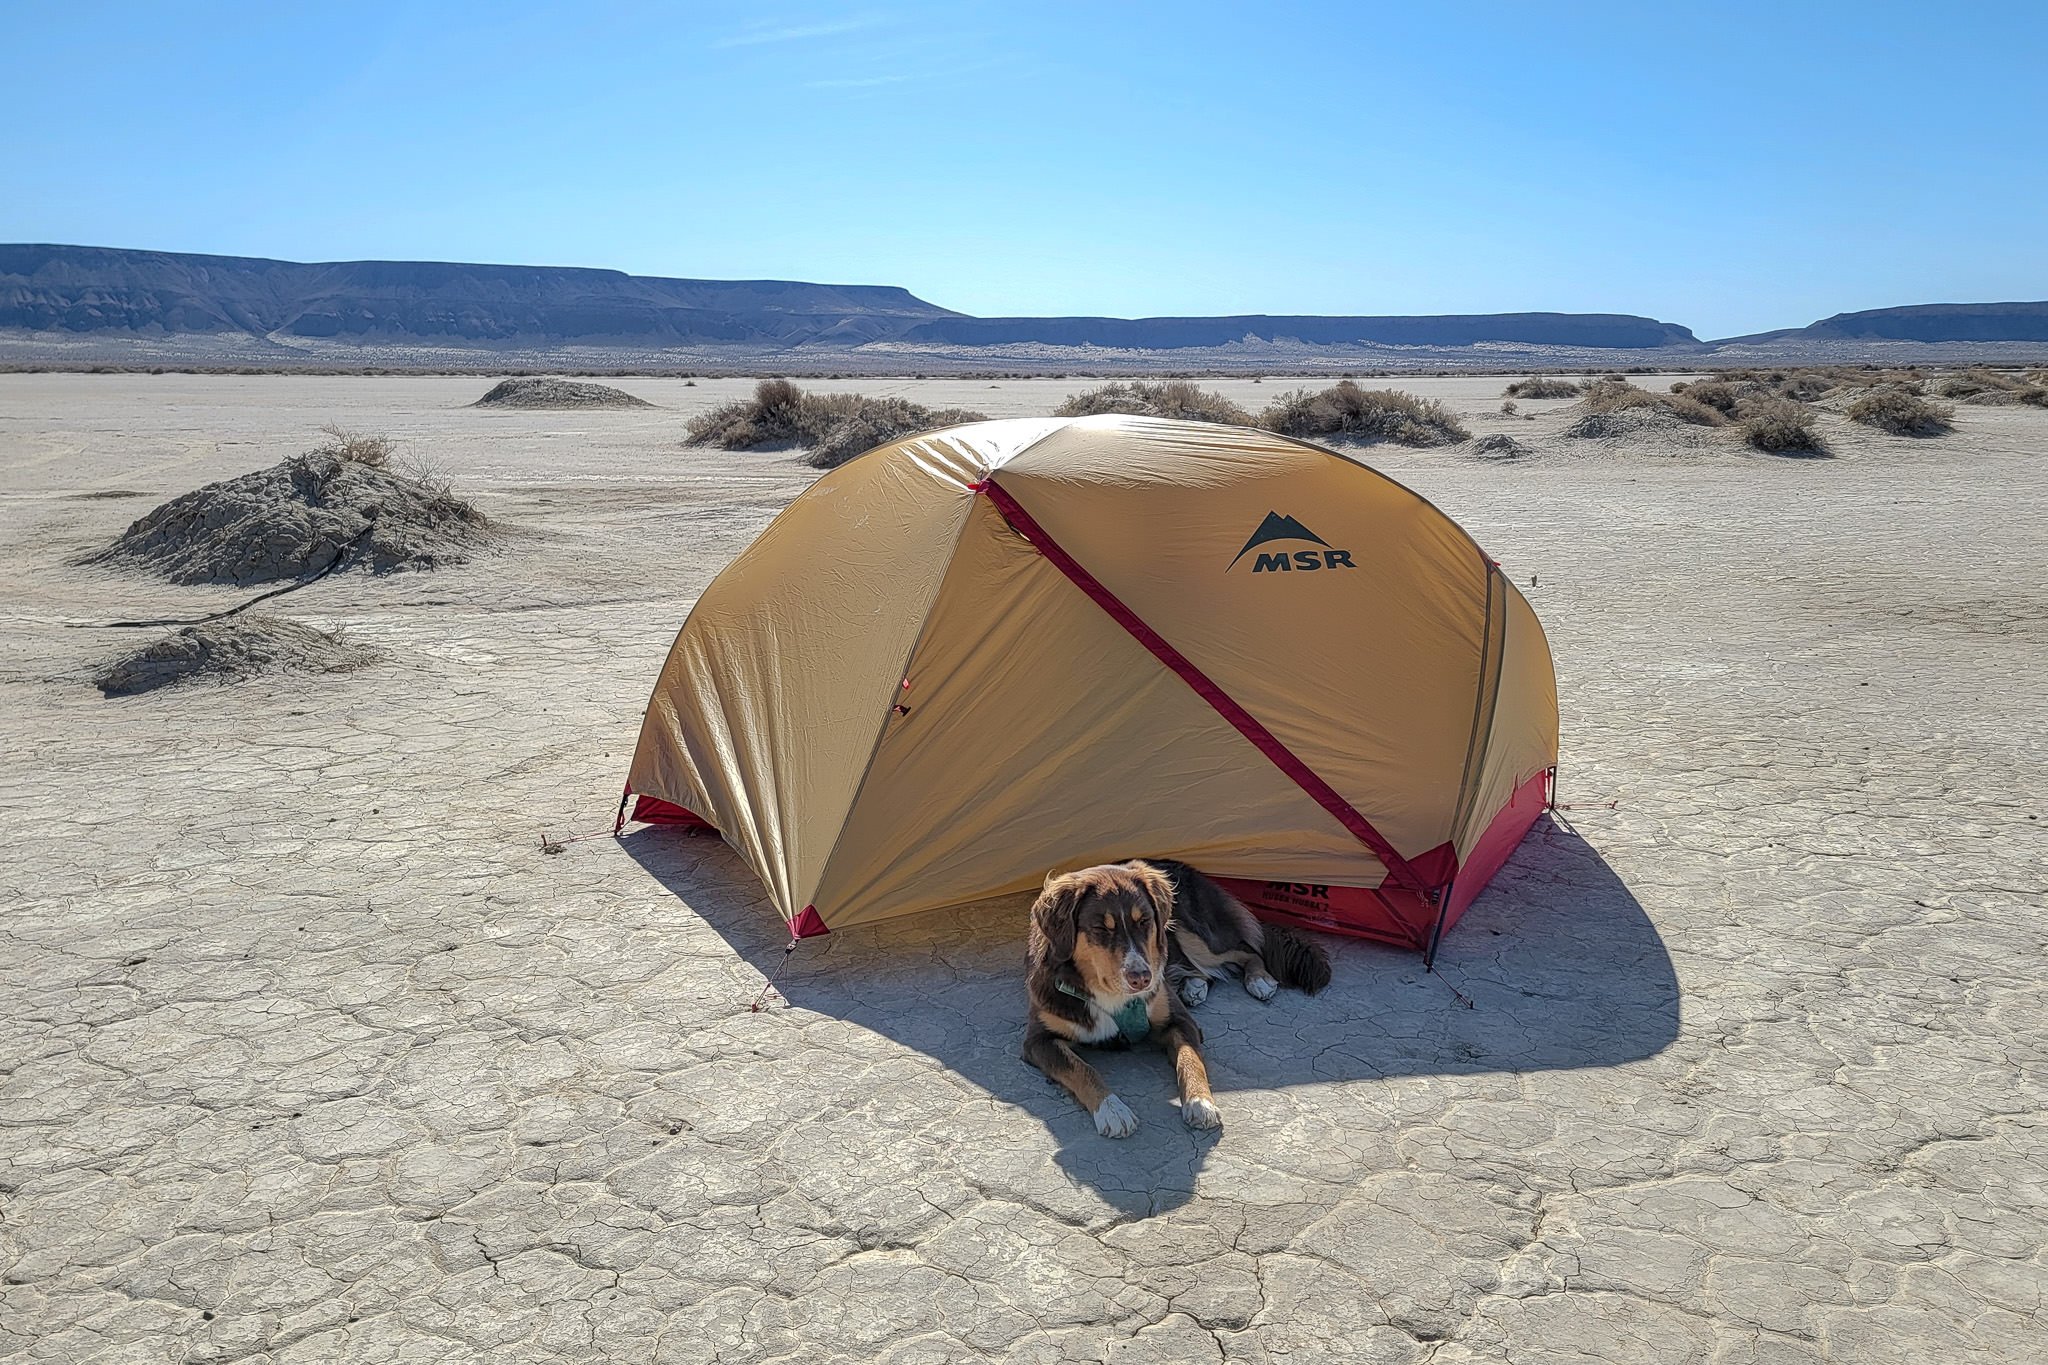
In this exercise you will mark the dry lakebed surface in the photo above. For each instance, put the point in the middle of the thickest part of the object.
(310, 1052)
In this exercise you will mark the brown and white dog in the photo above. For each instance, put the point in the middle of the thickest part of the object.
(1117, 954)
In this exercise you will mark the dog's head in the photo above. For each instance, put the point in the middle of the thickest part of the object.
(1110, 922)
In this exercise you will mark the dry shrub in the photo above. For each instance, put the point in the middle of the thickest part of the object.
(355, 446)
(1995, 388)
(1175, 398)
(1973, 381)
(877, 421)
(1807, 384)
(1543, 386)
(1848, 380)
(1722, 395)
(1901, 413)
(1611, 395)
(729, 426)
(429, 473)
(1344, 409)
(834, 427)
(1779, 426)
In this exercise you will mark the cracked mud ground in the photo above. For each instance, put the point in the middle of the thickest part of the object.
(309, 1053)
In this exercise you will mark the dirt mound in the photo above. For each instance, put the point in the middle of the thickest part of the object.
(230, 651)
(1498, 447)
(557, 393)
(307, 515)
(1635, 424)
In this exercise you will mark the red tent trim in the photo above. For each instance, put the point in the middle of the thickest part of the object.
(1303, 776)
(1392, 914)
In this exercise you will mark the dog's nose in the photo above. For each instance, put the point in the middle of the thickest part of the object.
(1139, 980)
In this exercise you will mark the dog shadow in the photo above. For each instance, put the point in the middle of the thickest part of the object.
(1560, 964)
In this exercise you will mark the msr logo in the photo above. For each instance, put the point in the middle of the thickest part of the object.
(1276, 527)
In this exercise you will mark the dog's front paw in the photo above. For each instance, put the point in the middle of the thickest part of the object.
(1202, 1113)
(1113, 1118)
(1261, 986)
(1194, 990)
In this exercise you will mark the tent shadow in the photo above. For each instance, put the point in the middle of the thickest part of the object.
(1563, 968)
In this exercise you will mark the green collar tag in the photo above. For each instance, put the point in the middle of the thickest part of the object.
(1133, 1021)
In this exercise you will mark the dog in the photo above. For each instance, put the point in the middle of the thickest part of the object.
(1117, 954)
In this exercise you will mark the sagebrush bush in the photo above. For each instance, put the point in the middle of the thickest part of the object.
(1901, 413)
(1722, 395)
(1780, 426)
(1803, 386)
(1808, 383)
(1971, 382)
(832, 427)
(1543, 386)
(1995, 388)
(1344, 409)
(1618, 395)
(1175, 398)
(877, 421)
(345, 444)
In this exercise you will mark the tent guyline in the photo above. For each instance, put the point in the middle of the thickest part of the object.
(1126, 635)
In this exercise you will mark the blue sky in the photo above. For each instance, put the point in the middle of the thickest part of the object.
(1732, 166)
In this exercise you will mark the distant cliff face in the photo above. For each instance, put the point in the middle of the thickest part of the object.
(134, 302)
(97, 289)
(1925, 323)
(1937, 322)
(1610, 331)
(83, 290)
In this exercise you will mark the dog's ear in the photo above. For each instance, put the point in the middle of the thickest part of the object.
(1054, 914)
(1159, 890)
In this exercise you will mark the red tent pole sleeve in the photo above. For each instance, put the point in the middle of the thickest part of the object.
(1205, 687)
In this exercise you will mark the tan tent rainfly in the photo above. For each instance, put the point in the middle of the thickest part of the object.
(980, 654)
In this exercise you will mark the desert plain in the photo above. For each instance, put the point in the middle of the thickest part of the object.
(309, 1051)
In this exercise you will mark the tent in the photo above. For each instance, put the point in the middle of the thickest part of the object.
(976, 655)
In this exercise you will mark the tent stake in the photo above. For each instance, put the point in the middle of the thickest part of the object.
(1463, 999)
(768, 984)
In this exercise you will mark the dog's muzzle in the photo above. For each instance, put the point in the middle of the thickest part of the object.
(1137, 974)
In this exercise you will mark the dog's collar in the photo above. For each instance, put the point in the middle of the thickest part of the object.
(1133, 1021)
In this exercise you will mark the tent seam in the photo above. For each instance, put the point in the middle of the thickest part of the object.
(882, 730)
(1484, 702)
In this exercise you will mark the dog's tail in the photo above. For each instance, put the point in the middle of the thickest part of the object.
(1296, 961)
